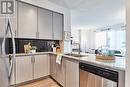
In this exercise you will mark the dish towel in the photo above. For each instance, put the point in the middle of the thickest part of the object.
(59, 58)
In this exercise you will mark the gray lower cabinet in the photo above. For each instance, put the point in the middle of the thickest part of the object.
(31, 67)
(41, 66)
(37, 66)
(57, 26)
(24, 70)
(27, 20)
(53, 66)
(57, 71)
(72, 73)
(45, 24)
(60, 73)
(67, 73)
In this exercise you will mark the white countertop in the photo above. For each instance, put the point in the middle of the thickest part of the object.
(118, 64)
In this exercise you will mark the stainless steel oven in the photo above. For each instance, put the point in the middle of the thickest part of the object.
(93, 76)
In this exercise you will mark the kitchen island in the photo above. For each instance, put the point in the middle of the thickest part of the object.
(117, 65)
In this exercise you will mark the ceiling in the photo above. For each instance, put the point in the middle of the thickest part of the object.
(91, 14)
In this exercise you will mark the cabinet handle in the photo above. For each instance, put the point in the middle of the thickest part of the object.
(31, 60)
(37, 35)
(34, 58)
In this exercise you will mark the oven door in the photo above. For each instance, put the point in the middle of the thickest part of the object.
(88, 79)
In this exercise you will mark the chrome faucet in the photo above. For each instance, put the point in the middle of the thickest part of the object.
(77, 44)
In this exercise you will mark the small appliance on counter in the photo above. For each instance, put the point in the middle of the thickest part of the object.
(56, 48)
(29, 49)
(33, 49)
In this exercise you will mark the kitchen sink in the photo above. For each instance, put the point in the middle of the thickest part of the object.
(75, 55)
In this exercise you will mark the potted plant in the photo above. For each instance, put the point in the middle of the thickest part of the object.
(33, 49)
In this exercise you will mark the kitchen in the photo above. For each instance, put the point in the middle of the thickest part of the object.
(44, 26)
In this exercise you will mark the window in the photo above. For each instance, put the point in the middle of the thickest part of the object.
(100, 39)
(113, 39)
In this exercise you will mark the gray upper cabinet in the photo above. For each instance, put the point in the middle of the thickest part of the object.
(45, 24)
(57, 26)
(34, 22)
(27, 21)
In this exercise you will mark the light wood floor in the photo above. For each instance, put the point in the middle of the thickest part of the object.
(43, 83)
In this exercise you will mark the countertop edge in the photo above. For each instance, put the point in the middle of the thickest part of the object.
(74, 58)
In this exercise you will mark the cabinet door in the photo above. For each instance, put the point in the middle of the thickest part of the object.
(57, 71)
(45, 24)
(27, 20)
(60, 73)
(41, 66)
(24, 71)
(72, 73)
(58, 26)
(53, 66)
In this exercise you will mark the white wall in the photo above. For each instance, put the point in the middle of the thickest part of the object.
(92, 14)
(51, 6)
(87, 40)
(75, 35)
(128, 44)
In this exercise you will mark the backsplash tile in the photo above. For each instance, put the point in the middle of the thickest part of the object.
(42, 45)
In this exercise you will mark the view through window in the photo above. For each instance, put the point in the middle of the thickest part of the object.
(114, 39)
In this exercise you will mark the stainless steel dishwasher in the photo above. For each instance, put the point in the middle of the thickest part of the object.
(93, 76)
